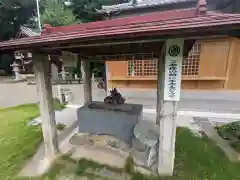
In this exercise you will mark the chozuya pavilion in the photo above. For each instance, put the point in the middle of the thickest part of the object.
(169, 35)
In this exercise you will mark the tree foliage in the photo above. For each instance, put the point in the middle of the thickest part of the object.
(13, 14)
(55, 13)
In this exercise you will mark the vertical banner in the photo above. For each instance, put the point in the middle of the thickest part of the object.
(173, 69)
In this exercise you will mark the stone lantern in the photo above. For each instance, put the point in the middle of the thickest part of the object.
(16, 70)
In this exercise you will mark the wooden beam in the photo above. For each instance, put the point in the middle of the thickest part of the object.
(188, 44)
(160, 83)
(42, 70)
(230, 59)
(125, 41)
(87, 84)
(98, 44)
(117, 49)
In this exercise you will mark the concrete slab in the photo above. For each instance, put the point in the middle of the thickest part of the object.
(101, 155)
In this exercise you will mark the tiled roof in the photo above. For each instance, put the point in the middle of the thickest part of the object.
(128, 21)
(139, 4)
(159, 23)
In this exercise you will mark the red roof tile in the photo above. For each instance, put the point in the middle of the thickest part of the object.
(162, 23)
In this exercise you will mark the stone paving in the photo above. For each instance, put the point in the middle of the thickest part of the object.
(209, 101)
(66, 116)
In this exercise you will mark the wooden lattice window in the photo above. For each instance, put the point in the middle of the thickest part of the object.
(147, 66)
(191, 64)
(142, 66)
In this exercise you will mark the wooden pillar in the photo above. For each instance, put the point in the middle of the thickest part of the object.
(168, 95)
(87, 84)
(230, 60)
(106, 74)
(160, 84)
(42, 70)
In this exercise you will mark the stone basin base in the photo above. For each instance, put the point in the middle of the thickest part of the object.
(99, 151)
(113, 120)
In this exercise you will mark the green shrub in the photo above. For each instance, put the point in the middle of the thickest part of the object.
(60, 126)
(231, 132)
(129, 165)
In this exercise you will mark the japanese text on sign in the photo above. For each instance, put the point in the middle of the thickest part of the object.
(173, 68)
(172, 81)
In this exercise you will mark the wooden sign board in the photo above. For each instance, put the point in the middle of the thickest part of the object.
(173, 69)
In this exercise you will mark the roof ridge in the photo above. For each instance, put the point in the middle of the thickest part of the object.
(202, 7)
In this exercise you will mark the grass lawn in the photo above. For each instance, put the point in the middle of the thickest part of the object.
(201, 159)
(18, 142)
(196, 159)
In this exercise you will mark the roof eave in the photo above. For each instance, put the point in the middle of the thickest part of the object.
(188, 33)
